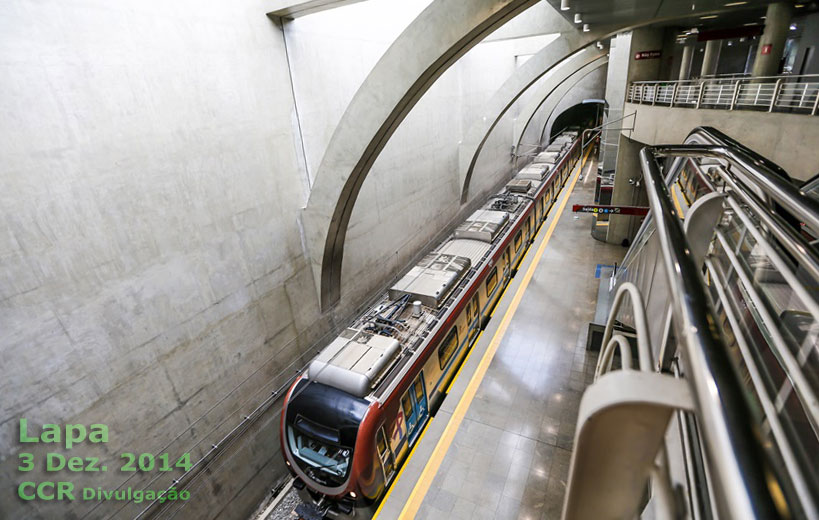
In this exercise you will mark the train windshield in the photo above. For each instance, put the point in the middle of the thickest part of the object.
(318, 449)
(321, 429)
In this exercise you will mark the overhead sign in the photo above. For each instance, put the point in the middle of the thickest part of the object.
(610, 210)
(647, 55)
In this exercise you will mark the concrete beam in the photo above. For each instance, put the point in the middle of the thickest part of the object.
(551, 91)
(441, 34)
(578, 91)
(292, 9)
(569, 42)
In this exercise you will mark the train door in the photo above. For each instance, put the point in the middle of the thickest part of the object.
(472, 322)
(507, 263)
(414, 403)
(385, 455)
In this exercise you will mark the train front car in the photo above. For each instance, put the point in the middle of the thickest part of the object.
(326, 438)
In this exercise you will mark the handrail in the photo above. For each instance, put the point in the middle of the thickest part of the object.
(731, 438)
(756, 171)
(727, 77)
(789, 93)
(599, 129)
(641, 325)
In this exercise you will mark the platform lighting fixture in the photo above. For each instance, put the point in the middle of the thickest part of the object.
(799, 6)
(585, 27)
(564, 5)
(793, 27)
(734, 4)
(709, 17)
(577, 18)
(730, 43)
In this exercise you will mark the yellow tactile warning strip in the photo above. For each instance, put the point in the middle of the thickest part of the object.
(431, 469)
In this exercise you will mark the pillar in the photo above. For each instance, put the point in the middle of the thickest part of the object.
(685, 63)
(711, 58)
(772, 42)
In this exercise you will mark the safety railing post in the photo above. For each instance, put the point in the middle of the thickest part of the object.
(655, 89)
(777, 88)
(674, 94)
(699, 95)
(815, 104)
(736, 95)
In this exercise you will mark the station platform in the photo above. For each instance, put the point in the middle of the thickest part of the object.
(500, 445)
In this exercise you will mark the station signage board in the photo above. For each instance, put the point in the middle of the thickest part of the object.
(647, 55)
(610, 210)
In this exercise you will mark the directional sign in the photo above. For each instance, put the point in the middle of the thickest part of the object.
(647, 55)
(610, 210)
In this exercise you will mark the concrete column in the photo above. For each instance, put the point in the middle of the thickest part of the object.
(711, 58)
(687, 58)
(772, 42)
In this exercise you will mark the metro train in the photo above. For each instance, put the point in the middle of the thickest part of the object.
(349, 421)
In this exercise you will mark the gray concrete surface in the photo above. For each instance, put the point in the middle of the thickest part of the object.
(440, 35)
(786, 139)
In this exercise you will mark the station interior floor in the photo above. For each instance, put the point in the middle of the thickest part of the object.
(500, 446)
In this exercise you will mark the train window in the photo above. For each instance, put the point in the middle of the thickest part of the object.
(406, 403)
(445, 353)
(381, 443)
(492, 281)
(471, 311)
(385, 454)
(518, 241)
(419, 388)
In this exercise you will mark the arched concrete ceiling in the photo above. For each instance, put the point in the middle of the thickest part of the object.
(437, 38)
(513, 88)
(440, 35)
(548, 99)
(572, 97)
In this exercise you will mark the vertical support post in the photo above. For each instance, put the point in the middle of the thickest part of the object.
(674, 94)
(736, 94)
(815, 104)
(699, 95)
(777, 87)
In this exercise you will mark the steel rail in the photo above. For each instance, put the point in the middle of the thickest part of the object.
(733, 442)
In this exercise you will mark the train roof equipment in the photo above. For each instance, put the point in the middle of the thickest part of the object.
(484, 225)
(546, 157)
(432, 279)
(521, 185)
(354, 361)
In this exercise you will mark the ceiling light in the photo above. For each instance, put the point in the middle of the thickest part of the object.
(730, 43)
(585, 27)
(709, 17)
(799, 6)
(750, 24)
(577, 18)
(733, 4)
(564, 5)
(793, 27)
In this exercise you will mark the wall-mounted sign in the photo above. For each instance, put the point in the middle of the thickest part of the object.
(647, 55)
(766, 49)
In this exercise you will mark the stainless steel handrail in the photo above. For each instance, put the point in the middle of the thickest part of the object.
(755, 171)
(732, 440)
(790, 93)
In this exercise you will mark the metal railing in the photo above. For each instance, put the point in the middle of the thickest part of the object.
(792, 94)
(735, 311)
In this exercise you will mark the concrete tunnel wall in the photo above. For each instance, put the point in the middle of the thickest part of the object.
(152, 257)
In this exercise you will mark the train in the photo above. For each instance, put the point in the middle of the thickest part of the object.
(350, 419)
